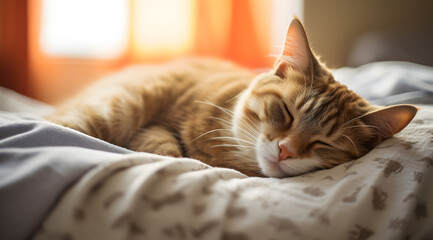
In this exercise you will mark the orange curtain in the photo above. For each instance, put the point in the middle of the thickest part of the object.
(230, 29)
(249, 34)
(237, 30)
(13, 45)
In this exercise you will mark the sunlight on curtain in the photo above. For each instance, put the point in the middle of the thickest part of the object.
(162, 28)
(154, 30)
(84, 29)
(213, 20)
(72, 42)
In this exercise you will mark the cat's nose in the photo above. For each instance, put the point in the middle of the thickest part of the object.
(285, 152)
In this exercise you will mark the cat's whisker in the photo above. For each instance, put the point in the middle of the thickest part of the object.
(235, 97)
(220, 130)
(223, 120)
(232, 145)
(253, 127)
(249, 138)
(231, 124)
(230, 113)
(354, 145)
(245, 133)
(351, 120)
(251, 133)
(250, 127)
(252, 123)
(249, 120)
(363, 125)
(250, 149)
(227, 111)
(211, 131)
(234, 138)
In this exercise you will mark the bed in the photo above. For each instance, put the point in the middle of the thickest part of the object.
(56, 183)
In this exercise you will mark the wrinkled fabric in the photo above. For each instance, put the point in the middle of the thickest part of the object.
(386, 194)
(38, 161)
(386, 83)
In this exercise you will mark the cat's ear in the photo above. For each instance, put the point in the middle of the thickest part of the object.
(296, 52)
(389, 121)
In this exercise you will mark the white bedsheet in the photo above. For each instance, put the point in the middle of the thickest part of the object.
(387, 194)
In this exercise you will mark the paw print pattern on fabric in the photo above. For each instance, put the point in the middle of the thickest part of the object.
(352, 164)
(407, 144)
(350, 174)
(327, 178)
(360, 233)
(321, 216)
(421, 210)
(379, 199)
(284, 224)
(112, 199)
(389, 166)
(410, 196)
(313, 191)
(353, 196)
(156, 204)
(175, 231)
(428, 160)
(79, 214)
(397, 223)
(234, 236)
(198, 209)
(206, 227)
(234, 212)
(417, 176)
(125, 221)
(392, 167)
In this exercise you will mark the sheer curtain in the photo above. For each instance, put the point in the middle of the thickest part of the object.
(64, 59)
(235, 30)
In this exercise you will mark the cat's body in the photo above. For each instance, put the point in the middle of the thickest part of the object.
(164, 109)
(292, 120)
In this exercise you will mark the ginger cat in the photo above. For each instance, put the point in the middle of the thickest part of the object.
(291, 120)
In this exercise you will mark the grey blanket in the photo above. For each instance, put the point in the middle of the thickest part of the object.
(387, 83)
(38, 161)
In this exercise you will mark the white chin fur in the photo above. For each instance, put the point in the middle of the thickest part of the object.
(267, 157)
(294, 167)
(271, 169)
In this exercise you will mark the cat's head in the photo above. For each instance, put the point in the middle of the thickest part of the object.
(301, 119)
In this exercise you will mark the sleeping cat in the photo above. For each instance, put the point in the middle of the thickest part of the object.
(291, 120)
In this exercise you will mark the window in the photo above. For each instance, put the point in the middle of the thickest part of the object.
(73, 42)
(84, 29)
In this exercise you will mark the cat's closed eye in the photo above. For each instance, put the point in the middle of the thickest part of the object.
(280, 115)
(287, 111)
(319, 143)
